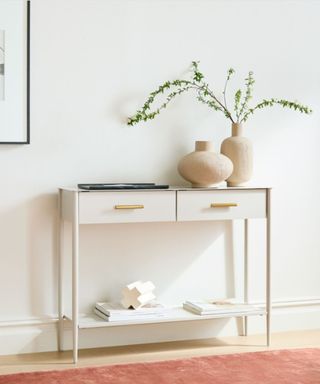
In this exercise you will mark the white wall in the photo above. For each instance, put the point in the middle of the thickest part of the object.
(93, 63)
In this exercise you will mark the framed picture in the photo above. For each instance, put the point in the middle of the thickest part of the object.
(14, 71)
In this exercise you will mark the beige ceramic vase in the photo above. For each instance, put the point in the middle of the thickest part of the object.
(204, 167)
(239, 151)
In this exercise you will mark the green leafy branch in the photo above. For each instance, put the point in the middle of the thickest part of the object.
(177, 87)
(248, 95)
(145, 113)
(231, 71)
(206, 96)
(284, 103)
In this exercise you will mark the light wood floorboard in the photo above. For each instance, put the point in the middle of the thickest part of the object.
(156, 352)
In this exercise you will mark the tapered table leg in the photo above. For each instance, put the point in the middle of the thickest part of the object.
(246, 272)
(268, 268)
(75, 279)
(60, 272)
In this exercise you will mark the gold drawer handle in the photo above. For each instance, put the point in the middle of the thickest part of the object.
(223, 205)
(136, 206)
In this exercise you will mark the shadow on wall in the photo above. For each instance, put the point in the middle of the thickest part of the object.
(173, 255)
(29, 267)
(43, 337)
(42, 254)
(184, 260)
(170, 136)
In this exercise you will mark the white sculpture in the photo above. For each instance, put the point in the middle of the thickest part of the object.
(137, 294)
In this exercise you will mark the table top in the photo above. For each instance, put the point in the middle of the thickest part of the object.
(171, 188)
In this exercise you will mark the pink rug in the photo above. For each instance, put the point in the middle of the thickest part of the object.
(300, 366)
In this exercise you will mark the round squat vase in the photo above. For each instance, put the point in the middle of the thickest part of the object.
(239, 151)
(204, 167)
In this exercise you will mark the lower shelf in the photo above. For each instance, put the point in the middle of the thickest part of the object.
(172, 315)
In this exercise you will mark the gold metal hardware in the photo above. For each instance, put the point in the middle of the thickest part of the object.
(223, 205)
(136, 206)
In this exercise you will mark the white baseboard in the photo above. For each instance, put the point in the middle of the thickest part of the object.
(40, 334)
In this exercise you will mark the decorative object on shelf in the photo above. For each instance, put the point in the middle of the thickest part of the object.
(137, 294)
(238, 147)
(204, 167)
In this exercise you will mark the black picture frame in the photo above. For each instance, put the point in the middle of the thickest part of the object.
(26, 112)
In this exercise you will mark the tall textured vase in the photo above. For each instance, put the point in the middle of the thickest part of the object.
(204, 167)
(239, 150)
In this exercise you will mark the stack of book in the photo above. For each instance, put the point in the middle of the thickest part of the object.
(211, 308)
(116, 312)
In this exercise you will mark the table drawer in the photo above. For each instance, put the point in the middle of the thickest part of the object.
(126, 207)
(221, 205)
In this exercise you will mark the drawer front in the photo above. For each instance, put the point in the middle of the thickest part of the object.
(221, 205)
(126, 207)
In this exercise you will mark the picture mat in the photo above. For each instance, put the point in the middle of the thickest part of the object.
(13, 106)
(2, 61)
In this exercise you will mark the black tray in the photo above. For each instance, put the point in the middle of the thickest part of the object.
(107, 186)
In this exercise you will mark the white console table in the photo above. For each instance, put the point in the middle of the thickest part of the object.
(169, 205)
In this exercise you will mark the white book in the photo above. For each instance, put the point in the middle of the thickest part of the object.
(114, 308)
(207, 308)
(120, 317)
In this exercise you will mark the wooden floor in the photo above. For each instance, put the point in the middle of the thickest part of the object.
(156, 352)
